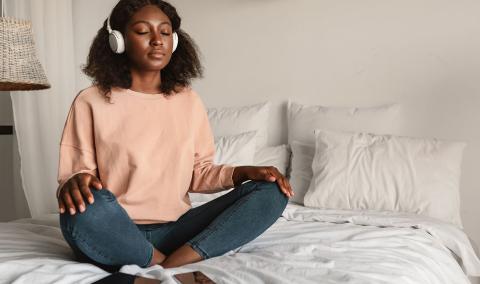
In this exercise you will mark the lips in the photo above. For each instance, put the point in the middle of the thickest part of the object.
(156, 54)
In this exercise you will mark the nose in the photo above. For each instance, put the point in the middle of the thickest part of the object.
(156, 40)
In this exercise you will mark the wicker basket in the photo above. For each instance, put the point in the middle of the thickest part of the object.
(19, 67)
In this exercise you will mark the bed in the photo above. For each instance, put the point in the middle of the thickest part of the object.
(305, 245)
(368, 208)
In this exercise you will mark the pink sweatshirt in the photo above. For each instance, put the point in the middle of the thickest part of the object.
(149, 150)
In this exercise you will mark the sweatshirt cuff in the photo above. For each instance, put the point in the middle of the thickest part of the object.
(228, 177)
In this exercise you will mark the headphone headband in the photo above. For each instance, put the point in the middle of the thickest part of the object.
(109, 28)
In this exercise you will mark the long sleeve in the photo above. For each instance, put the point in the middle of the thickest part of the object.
(207, 177)
(77, 151)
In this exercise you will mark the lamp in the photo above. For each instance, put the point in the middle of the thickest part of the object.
(20, 69)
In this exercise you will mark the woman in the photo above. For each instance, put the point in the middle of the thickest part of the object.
(138, 140)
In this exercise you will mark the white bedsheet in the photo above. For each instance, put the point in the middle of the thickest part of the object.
(305, 245)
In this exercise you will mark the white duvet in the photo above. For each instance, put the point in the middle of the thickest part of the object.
(305, 245)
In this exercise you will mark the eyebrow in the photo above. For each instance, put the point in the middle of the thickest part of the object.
(146, 22)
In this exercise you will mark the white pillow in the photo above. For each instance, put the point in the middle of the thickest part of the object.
(235, 150)
(300, 173)
(277, 156)
(303, 119)
(386, 172)
(235, 120)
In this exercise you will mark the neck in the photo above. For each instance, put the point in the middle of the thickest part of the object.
(146, 81)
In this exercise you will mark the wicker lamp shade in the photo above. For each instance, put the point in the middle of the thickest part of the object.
(20, 69)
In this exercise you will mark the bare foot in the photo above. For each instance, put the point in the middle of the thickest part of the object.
(183, 255)
(157, 258)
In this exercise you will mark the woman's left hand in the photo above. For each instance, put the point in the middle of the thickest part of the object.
(271, 174)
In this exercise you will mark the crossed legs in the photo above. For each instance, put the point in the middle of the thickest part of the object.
(106, 235)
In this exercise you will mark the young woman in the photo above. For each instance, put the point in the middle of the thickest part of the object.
(138, 140)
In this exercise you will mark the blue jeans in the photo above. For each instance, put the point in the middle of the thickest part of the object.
(105, 236)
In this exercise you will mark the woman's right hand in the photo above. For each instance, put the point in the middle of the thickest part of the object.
(71, 192)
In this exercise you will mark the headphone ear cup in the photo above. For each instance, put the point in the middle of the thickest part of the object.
(117, 44)
(175, 41)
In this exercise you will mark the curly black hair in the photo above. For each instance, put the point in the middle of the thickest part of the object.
(108, 69)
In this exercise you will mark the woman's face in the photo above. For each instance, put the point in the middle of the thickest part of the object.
(149, 40)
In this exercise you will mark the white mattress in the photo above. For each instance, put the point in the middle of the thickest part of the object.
(305, 245)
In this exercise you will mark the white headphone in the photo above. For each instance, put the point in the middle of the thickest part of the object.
(117, 44)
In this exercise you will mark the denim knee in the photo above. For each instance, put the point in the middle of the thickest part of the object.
(276, 199)
(105, 233)
(245, 220)
(93, 212)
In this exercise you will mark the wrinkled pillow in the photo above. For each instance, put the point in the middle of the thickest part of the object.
(300, 173)
(356, 171)
(226, 121)
(277, 156)
(303, 119)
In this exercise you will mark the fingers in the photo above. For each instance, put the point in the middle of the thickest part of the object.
(271, 174)
(77, 197)
(284, 187)
(61, 205)
(289, 187)
(75, 190)
(272, 177)
(85, 190)
(96, 182)
(67, 199)
(281, 180)
(286, 183)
